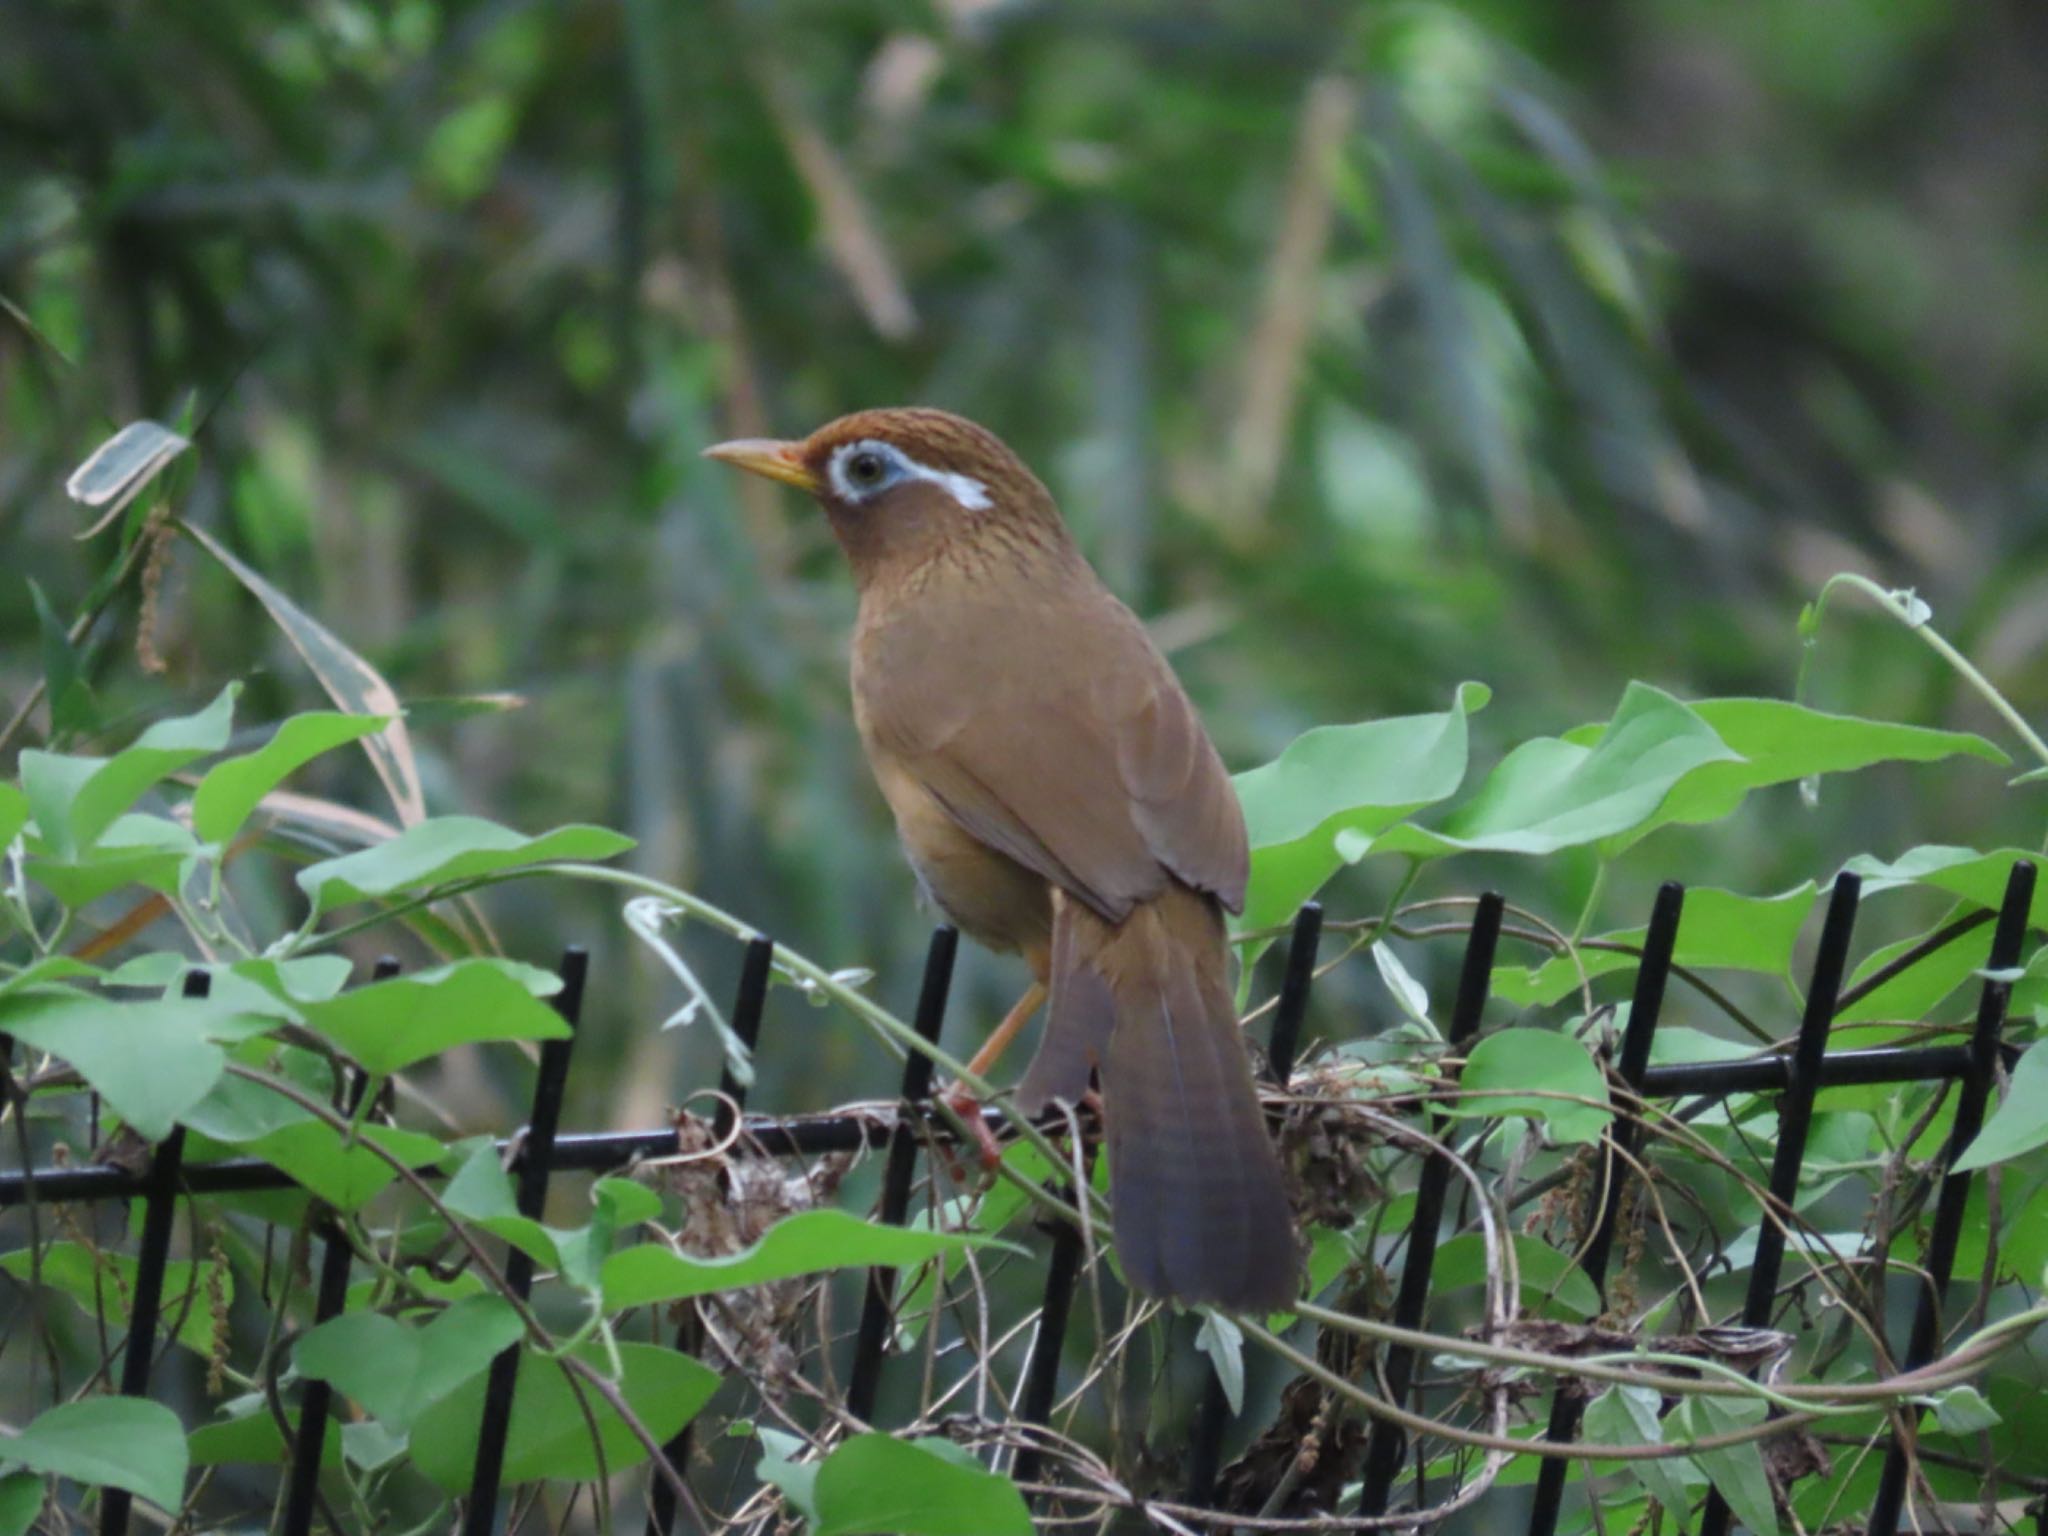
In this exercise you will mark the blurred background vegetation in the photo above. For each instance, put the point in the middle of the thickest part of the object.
(1368, 347)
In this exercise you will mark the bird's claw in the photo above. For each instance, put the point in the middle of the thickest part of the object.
(968, 1108)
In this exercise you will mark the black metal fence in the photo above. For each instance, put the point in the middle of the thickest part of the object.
(1795, 1076)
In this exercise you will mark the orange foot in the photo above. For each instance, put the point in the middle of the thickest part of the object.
(968, 1108)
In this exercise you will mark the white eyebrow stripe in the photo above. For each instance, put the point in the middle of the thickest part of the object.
(969, 492)
(965, 489)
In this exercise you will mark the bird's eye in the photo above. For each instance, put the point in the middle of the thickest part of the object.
(865, 469)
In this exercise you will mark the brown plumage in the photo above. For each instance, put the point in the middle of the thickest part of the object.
(1058, 798)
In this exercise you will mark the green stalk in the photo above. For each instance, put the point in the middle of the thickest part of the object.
(1900, 607)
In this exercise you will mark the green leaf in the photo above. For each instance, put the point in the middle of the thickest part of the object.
(237, 1111)
(308, 979)
(13, 813)
(1359, 779)
(1916, 991)
(1781, 743)
(71, 700)
(149, 851)
(152, 1061)
(1719, 930)
(232, 789)
(248, 1436)
(877, 1485)
(346, 1177)
(39, 973)
(108, 1442)
(1978, 878)
(1963, 1410)
(349, 680)
(806, 1243)
(21, 1500)
(396, 1370)
(2023, 1246)
(482, 1191)
(1676, 1043)
(549, 1436)
(1461, 1261)
(2020, 1123)
(75, 799)
(151, 972)
(1223, 1342)
(1503, 1068)
(389, 1025)
(1737, 1470)
(446, 849)
(369, 1445)
(1628, 1416)
(1409, 995)
(780, 1467)
(103, 1281)
(625, 1202)
(1553, 793)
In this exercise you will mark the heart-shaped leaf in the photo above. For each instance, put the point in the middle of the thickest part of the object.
(1553, 793)
(108, 1442)
(1536, 1073)
(807, 1243)
(877, 1485)
(1357, 779)
(447, 849)
(232, 789)
(1719, 930)
(398, 1370)
(153, 1061)
(75, 799)
(389, 1025)
(549, 1434)
(2020, 1123)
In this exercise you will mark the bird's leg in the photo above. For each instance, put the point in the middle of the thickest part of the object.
(1006, 1032)
(963, 1100)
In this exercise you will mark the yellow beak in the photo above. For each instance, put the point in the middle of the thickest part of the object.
(767, 456)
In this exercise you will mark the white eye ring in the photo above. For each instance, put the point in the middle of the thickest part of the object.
(854, 481)
(860, 470)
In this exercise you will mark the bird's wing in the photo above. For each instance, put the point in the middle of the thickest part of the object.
(1057, 734)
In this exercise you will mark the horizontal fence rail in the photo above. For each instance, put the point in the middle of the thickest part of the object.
(1795, 1075)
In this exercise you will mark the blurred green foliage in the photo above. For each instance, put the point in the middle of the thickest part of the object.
(1368, 347)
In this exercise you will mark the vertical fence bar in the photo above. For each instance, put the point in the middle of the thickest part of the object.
(1645, 1004)
(865, 1379)
(152, 1255)
(536, 1155)
(1042, 1370)
(1295, 982)
(749, 1004)
(1205, 1455)
(1386, 1440)
(1795, 1119)
(1940, 1257)
(309, 1441)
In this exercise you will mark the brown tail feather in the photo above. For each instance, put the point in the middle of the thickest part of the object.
(1200, 1206)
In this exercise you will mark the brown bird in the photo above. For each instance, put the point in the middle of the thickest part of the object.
(1058, 798)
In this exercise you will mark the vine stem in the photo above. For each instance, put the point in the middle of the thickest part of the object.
(1899, 608)
(900, 1036)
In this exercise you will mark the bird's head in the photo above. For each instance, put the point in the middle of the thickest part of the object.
(903, 485)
